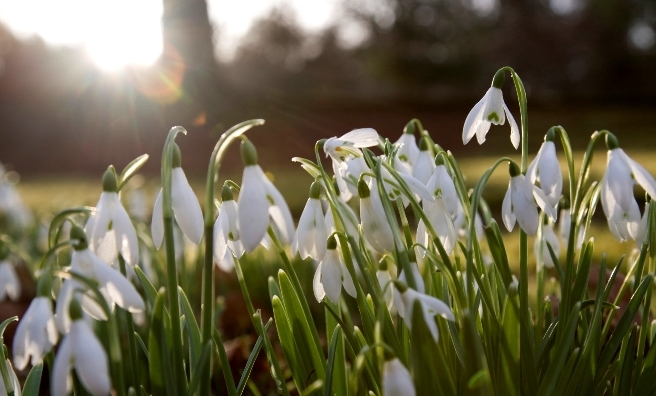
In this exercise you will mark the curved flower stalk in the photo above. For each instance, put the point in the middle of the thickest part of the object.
(311, 235)
(548, 236)
(490, 110)
(521, 203)
(430, 307)
(258, 200)
(424, 165)
(113, 285)
(619, 204)
(9, 283)
(109, 227)
(227, 241)
(376, 229)
(36, 333)
(14, 381)
(80, 350)
(397, 380)
(186, 208)
(331, 275)
(546, 169)
(347, 159)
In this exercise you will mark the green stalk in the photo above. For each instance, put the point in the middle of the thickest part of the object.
(179, 376)
(132, 342)
(207, 306)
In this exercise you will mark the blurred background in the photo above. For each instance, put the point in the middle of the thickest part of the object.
(86, 84)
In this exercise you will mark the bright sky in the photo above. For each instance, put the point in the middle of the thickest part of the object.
(121, 32)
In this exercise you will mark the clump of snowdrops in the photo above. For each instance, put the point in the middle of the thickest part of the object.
(419, 293)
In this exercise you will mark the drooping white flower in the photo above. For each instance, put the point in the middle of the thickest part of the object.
(619, 204)
(347, 159)
(14, 381)
(424, 165)
(521, 203)
(430, 307)
(113, 285)
(227, 239)
(109, 228)
(490, 110)
(397, 380)
(376, 228)
(36, 333)
(548, 236)
(442, 225)
(186, 210)
(441, 186)
(408, 151)
(311, 235)
(81, 350)
(565, 220)
(258, 200)
(546, 169)
(9, 283)
(331, 275)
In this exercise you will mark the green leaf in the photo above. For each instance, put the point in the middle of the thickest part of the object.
(156, 346)
(498, 251)
(131, 169)
(331, 360)
(248, 369)
(149, 289)
(627, 357)
(299, 366)
(309, 166)
(6, 323)
(142, 344)
(196, 368)
(195, 344)
(33, 381)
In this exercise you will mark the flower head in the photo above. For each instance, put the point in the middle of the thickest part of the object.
(109, 228)
(430, 307)
(9, 283)
(619, 204)
(227, 240)
(184, 202)
(490, 110)
(311, 235)
(397, 380)
(546, 170)
(332, 275)
(424, 165)
(408, 150)
(521, 203)
(542, 250)
(258, 200)
(376, 228)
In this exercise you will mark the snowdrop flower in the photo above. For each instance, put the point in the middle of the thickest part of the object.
(114, 286)
(375, 226)
(186, 208)
(462, 225)
(521, 201)
(397, 380)
(441, 211)
(14, 381)
(408, 150)
(441, 186)
(540, 246)
(490, 110)
(430, 307)
(565, 220)
(258, 200)
(226, 233)
(424, 164)
(82, 351)
(9, 283)
(619, 204)
(546, 169)
(311, 235)
(384, 280)
(643, 228)
(109, 228)
(332, 275)
(36, 333)
(349, 216)
(347, 157)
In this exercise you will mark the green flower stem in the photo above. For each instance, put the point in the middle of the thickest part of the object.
(208, 287)
(132, 342)
(179, 376)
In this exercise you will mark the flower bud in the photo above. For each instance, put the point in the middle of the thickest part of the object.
(551, 135)
(226, 194)
(74, 310)
(109, 180)
(363, 189)
(513, 169)
(44, 286)
(78, 233)
(248, 153)
(315, 190)
(499, 79)
(176, 159)
(611, 141)
(410, 128)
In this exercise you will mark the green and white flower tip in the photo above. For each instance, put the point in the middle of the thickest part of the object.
(80, 350)
(186, 208)
(397, 380)
(226, 233)
(546, 169)
(424, 164)
(311, 234)
(109, 227)
(331, 275)
(540, 245)
(521, 203)
(14, 381)
(490, 110)
(116, 288)
(619, 204)
(376, 228)
(36, 333)
(430, 307)
(9, 283)
(258, 201)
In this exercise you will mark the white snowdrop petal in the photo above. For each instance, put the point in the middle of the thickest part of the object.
(424, 166)
(397, 380)
(472, 121)
(317, 287)
(331, 277)
(90, 359)
(157, 224)
(186, 208)
(61, 380)
(495, 111)
(279, 211)
(118, 287)
(347, 281)
(641, 175)
(507, 212)
(98, 223)
(9, 282)
(417, 187)
(363, 137)
(515, 137)
(126, 236)
(543, 202)
(482, 130)
(253, 209)
(220, 236)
